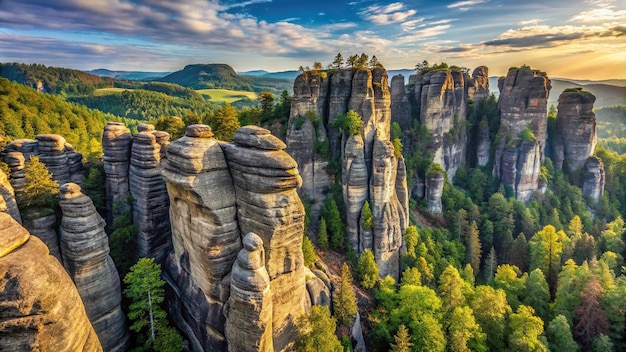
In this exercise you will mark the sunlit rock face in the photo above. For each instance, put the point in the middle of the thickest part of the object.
(478, 85)
(523, 130)
(7, 194)
(85, 252)
(150, 198)
(576, 129)
(217, 192)
(40, 308)
(441, 97)
(369, 164)
(116, 144)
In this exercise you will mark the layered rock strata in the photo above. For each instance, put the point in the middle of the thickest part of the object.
(523, 130)
(150, 198)
(8, 197)
(85, 252)
(249, 309)
(442, 98)
(116, 143)
(40, 308)
(576, 127)
(478, 86)
(593, 178)
(44, 228)
(16, 163)
(205, 236)
(217, 190)
(366, 175)
(400, 105)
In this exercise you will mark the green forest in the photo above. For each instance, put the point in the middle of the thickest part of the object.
(490, 274)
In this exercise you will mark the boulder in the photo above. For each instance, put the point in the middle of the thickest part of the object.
(40, 308)
(85, 251)
(249, 309)
(576, 125)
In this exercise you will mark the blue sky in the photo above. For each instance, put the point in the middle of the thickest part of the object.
(566, 38)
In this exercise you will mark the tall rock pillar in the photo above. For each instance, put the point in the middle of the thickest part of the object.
(116, 142)
(85, 252)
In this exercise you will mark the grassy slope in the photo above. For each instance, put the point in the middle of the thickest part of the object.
(226, 95)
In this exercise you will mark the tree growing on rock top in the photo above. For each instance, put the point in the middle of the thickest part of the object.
(39, 194)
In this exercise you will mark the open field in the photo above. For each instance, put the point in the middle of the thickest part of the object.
(226, 95)
(107, 91)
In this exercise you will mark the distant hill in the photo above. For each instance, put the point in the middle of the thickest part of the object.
(606, 94)
(129, 75)
(205, 76)
(54, 79)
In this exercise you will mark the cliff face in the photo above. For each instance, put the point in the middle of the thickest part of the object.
(400, 106)
(150, 200)
(218, 191)
(40, 309)
(441, 97)
(434, 192)
(576, 126)
(369, 166)
(478, 86)
(85, 252)
(523, 130)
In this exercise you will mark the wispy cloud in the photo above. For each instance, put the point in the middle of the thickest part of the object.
(246, 3)
(387, 14)
(423, 34)
(601, 16)
(549, 36)
(464, 5)
(529, 22)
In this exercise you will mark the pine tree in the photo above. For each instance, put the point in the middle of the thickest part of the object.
(402, 340)
(146, 292)
(525, 331)
(367, 218)
(491, 264)
(592, 319)
(472, 243)
(344, 302)
(411, 276)
(560, 335)
(308, 251)
(367, 270)
(518, 255)
(537, 294)
(317, 331)
(546, 247)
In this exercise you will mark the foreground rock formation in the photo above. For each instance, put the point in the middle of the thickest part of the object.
(7, 195)
(217, 192)
(85, 252)
(523, 130)
(369, 163)
(40, 309)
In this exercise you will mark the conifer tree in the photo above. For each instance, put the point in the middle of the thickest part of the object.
(472, 243)
(537, 294)
(317, 331)
(344, 302)
(322, 234)
(308, 251)
(518, 255)
(402, 340)
(560, 335)
(591, 318)
(39, 191)
(367, 270)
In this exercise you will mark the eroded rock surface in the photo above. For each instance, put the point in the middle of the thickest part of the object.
(249, 310)
(8, 197)
(593, 178)
(85, 252)
(576, 126)
(434, 192)
(150, 199)
(40, 309)
(116, 144)
(523, 130)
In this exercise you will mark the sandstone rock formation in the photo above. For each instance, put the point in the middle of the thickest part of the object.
(40, 309)
(116, 142)
(217, 191)
(576, 127)
(249, 309)
(44, 228)
(8, 198)
(483, 147)
(17, 163)
(593, 178)
(265, 179)
(442, 99)
(366, 175)
(400, 106)
(150, 200)
(85, 252)
(434, 191)
(205, 236)
(523, 130)
(478, 86)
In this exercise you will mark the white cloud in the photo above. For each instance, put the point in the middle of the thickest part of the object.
(464, 5)
(387, 14)
(601, 16)
(423, 33)
(529, 22)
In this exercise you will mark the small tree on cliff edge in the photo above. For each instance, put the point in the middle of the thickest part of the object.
(145, 290)
(40, 191)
